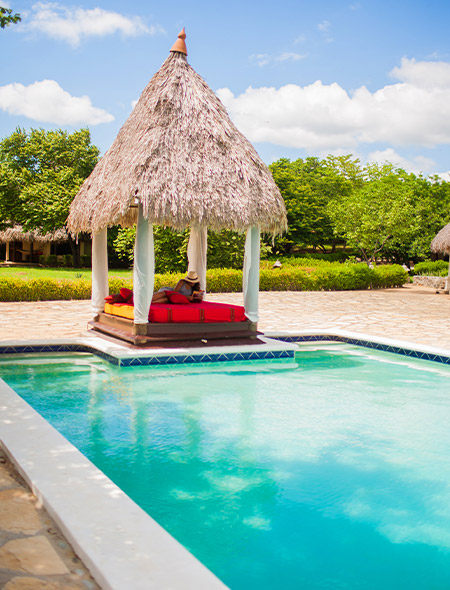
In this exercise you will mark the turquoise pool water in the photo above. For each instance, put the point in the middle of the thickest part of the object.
(332, 471)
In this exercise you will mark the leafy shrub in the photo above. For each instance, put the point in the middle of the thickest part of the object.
(116, 283)
(438, 268)
(330, 277)
(304, 262)
(49, 260)
(85, 260)
(43, 289)
(286, 279)
(327, 256)
(224, 280)
(389, 275)
(68, 260)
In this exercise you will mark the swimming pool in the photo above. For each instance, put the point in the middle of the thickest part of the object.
(330, 471)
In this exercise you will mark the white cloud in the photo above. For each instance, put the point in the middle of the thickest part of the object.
(288, 56)
(46, 101)
(300, 39)
(321, 117)
(72, 24)
(423, 74)
(324, 27)
(5, 4)
(264, 59)
(417, 164)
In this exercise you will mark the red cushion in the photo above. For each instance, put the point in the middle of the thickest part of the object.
(204, 311)
(175, 297)
(126, 294)
(115, 298)
(221, 312)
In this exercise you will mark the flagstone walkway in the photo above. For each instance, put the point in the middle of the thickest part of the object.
(33, 553)
(411, 313)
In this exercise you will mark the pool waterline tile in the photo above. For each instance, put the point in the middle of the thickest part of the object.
(272, 349)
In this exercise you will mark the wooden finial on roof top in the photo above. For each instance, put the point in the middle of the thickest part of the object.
(179, 44)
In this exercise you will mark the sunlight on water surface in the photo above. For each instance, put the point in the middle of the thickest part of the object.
(328, 472)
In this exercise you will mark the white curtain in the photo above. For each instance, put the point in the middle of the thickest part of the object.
(143, 269)
(250, 278)
(100, 287)
(196, 253)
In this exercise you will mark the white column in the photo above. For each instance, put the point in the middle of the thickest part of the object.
(143, 269)
(250, 275)
(7, 252)
(196, 253)
(447, 279)
(100, 287)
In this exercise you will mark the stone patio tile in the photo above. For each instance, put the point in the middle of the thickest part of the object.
(18, 513)
(6, 481)
(33, 555)
(27, 583)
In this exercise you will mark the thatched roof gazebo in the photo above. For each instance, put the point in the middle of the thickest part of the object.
(33, 237)
(178, 161)
(441, 243)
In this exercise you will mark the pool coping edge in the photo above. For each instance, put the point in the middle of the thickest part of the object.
(119, 543)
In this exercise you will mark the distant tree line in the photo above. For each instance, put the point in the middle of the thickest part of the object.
(378, 211)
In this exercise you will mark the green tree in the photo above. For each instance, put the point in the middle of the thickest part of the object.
(307, 186)
(7, 17)
(379, 215)
(225, 248)
(430, 199)
(40, 173)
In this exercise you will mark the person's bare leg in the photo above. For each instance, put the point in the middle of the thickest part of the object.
(160, 297)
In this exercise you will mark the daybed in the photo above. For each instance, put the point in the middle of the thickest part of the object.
(200, 321)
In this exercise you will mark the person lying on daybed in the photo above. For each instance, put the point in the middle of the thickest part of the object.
(189, 287)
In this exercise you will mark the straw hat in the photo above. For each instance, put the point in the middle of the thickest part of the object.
(192, 277)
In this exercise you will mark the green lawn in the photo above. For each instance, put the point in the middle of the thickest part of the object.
(34, 272)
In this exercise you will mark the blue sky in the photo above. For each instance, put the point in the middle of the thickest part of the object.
(298, 78)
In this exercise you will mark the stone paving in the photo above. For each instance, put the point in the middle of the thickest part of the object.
(33, 553)
(414, 314)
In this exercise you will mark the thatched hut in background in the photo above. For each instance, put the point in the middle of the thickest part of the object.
(27, 246)
(178, 161)
(441, 244)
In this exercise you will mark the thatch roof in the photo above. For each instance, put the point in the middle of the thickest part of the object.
(16, 234)
(441, 242)
(183, 158)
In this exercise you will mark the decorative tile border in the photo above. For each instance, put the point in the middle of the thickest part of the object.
(428, 356)
(140, 361)
(207, 358)
(43, 348)
(178, 359)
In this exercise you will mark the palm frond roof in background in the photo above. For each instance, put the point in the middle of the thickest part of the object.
(17, 234)
(441, 242)
(180, 155)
